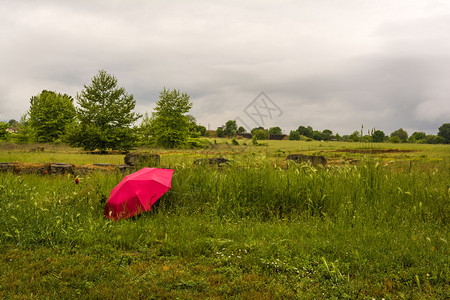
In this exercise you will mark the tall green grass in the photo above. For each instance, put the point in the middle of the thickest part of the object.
(366, 230)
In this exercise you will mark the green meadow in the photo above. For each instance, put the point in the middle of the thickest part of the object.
(372, 224)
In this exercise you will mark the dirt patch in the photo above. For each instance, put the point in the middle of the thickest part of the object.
(373, 151)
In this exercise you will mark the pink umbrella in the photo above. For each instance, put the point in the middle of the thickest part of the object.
(137, 192)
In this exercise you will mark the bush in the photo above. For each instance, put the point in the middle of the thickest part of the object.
(294, 135)
(197, 143)
(395, 139)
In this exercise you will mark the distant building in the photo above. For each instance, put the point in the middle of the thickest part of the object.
(12, 130)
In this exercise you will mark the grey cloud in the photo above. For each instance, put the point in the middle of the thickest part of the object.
(327, 65)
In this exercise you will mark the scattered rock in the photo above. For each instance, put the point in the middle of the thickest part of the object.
(104, 165)
(5, 167)
(309, 159)
(124, 169)
(142, 159)
(219, 161)
(61, 168)
(37, 149)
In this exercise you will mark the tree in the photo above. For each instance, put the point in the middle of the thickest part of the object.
(306, 131)
(49, 115)
(275, 131)
(219, 132)
(3, 133)
(260, 134)
(13, 123)
(146, 130)
(230, 128)
(401, 134)
(317, 135)
(444, 133)
(241, 130)
(354, 137)
(294, 135)
(171, 122)
(257, 128)
(434, 139)
(378, 136)
(327, 134)
(105, 115)
(417, 136)
(195, 130)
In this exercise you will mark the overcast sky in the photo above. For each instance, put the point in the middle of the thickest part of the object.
(329, 64)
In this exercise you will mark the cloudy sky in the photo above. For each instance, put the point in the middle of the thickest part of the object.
(326, 63)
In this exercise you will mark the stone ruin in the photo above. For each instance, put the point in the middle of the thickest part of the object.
(132, 161)
(219, 161)
(47, 168)
(314, 160)
(142, 159)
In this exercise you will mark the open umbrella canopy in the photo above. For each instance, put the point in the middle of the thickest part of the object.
(137, 192)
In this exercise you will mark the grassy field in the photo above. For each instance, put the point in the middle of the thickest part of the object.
(374, 223)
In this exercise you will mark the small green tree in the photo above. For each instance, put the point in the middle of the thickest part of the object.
(395, 139)
(146, 130)
(378, 136)
(317, 135)
(3, 133)
(230, 128)
(219, 132)
(275, 131)
(171, 123)
(241, 130)
(401, 134)
(417, 137)
(327, 134)
(105, 116)
(294, 135)
(260, 134)
(49, 115)
(444, 133)
(306, 131)
(354, 137)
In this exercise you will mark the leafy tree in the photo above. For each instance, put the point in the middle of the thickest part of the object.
(444, 133)
(275, 131)
(146, 130)
(49, 115)
(260, 134)
(105, 115)
(294, 135)
(327, 134)
(25, 132)
(317, 135)
(257, 128)
(306, 131)
(230, 128)
(13, 123)
(3, 133)
(378, 136)
(395, 139)
(433, 139)
(417, 136)
(354, 137)
(171, 122)
(401, 134)
(241, 130)
(195, 130)
(219, 132)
